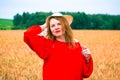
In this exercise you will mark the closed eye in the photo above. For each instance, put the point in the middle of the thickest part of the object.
(58, 23)
(53, 25)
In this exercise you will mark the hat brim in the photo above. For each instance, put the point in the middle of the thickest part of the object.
(69, 18)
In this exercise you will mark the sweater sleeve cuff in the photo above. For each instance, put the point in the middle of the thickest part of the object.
(87, 61)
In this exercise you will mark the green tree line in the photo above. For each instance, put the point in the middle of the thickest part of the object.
(81, 20)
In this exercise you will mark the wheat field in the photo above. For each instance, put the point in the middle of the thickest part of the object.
(19, 62)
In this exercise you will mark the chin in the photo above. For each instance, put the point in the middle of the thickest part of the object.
(58, 34)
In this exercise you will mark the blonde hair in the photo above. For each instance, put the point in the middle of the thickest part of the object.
(65, 28)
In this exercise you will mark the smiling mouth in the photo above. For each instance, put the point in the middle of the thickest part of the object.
(57, 31)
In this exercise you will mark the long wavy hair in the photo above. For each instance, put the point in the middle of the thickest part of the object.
(66, 28)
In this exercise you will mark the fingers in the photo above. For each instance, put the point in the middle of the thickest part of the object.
(44, 30)
(43, 26)
(87, 56)
(85, 51)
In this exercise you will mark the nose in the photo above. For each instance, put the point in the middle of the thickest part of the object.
(56, 27)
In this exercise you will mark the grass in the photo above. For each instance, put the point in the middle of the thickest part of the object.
(18, 62)
(6, 24)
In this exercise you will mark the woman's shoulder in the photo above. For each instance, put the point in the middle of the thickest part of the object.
(76, 41)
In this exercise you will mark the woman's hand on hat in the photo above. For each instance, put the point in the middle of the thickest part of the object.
(43, 26)
(44, 30)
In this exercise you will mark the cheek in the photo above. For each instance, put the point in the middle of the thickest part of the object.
(52, 30)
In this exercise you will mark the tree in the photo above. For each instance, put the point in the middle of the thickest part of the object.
(25, 18)
(17, 21)
(116, 22)
(80, 20)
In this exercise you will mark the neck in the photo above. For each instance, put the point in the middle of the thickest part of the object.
(61, 38)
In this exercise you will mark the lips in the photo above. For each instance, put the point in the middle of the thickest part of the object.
(57, 31)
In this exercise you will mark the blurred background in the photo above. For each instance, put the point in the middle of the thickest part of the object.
(96, 24)
(87, 14)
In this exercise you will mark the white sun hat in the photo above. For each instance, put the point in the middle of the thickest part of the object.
(69, 18)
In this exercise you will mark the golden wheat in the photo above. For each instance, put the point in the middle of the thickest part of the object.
(19, 62)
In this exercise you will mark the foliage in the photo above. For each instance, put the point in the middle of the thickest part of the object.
(81, 20)
(26, 19)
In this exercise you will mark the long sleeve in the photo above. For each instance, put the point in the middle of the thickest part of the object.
(37, 43)
(88, 67)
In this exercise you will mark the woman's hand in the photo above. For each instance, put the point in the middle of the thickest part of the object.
(44, 30)
(86, 52)
(43, 26)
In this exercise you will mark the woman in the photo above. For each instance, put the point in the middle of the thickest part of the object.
(64, 58)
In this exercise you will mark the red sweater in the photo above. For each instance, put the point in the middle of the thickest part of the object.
(60, 61)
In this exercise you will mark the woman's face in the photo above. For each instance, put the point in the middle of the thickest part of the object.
(56, 27)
